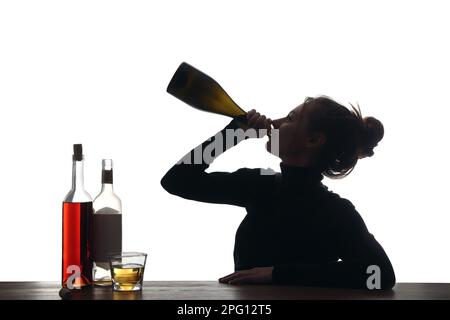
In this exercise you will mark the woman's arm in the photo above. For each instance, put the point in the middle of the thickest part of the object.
(351, 272)
(357, 273)
(189, 180)
(364, 264)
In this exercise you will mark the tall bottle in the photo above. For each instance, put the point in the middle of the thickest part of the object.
(76, 227)
(107, 226)
(200, 91)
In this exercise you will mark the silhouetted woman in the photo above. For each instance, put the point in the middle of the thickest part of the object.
(296, 231)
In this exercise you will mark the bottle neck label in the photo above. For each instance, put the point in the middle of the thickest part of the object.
(107, 176)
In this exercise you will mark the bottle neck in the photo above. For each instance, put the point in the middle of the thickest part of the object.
(77, 175)
(107, 187)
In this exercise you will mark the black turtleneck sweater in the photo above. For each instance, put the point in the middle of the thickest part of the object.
(310, 235)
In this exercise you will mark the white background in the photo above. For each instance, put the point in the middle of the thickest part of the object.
(95, 72)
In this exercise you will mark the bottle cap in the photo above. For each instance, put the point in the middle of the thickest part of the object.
(77, 152)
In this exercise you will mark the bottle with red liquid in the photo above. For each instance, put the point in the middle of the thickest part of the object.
(76, 229)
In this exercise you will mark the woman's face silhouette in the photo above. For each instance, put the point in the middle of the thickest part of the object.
(294, 138)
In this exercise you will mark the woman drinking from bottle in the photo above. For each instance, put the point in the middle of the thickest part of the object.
(296, 231)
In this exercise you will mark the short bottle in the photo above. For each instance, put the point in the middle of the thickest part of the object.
(107, 227)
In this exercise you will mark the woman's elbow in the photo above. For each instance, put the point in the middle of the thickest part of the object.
(381, 275)
(388, 279)
(179, 183)
(169, 183)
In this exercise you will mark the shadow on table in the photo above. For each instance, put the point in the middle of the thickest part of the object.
(310, 293)
(98, 293)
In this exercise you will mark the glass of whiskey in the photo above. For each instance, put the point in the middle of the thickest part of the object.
(127, 270)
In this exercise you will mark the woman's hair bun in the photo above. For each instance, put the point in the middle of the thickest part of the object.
(372, 133)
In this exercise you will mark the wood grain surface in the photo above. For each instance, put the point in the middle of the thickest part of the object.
(211, 290)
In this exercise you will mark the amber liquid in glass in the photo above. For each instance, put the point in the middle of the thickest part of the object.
(127, 277)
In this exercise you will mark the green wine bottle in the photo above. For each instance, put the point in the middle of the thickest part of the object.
(200, 91)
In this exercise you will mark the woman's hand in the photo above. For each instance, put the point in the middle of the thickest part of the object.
(255, 275)
(257, 121)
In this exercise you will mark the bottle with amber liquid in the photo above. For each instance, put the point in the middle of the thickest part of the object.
(200, 91)
(107, 227)
(76, 229)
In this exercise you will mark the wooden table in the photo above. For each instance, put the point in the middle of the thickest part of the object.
(211, 290)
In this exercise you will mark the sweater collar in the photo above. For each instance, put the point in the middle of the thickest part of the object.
(304, 176)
